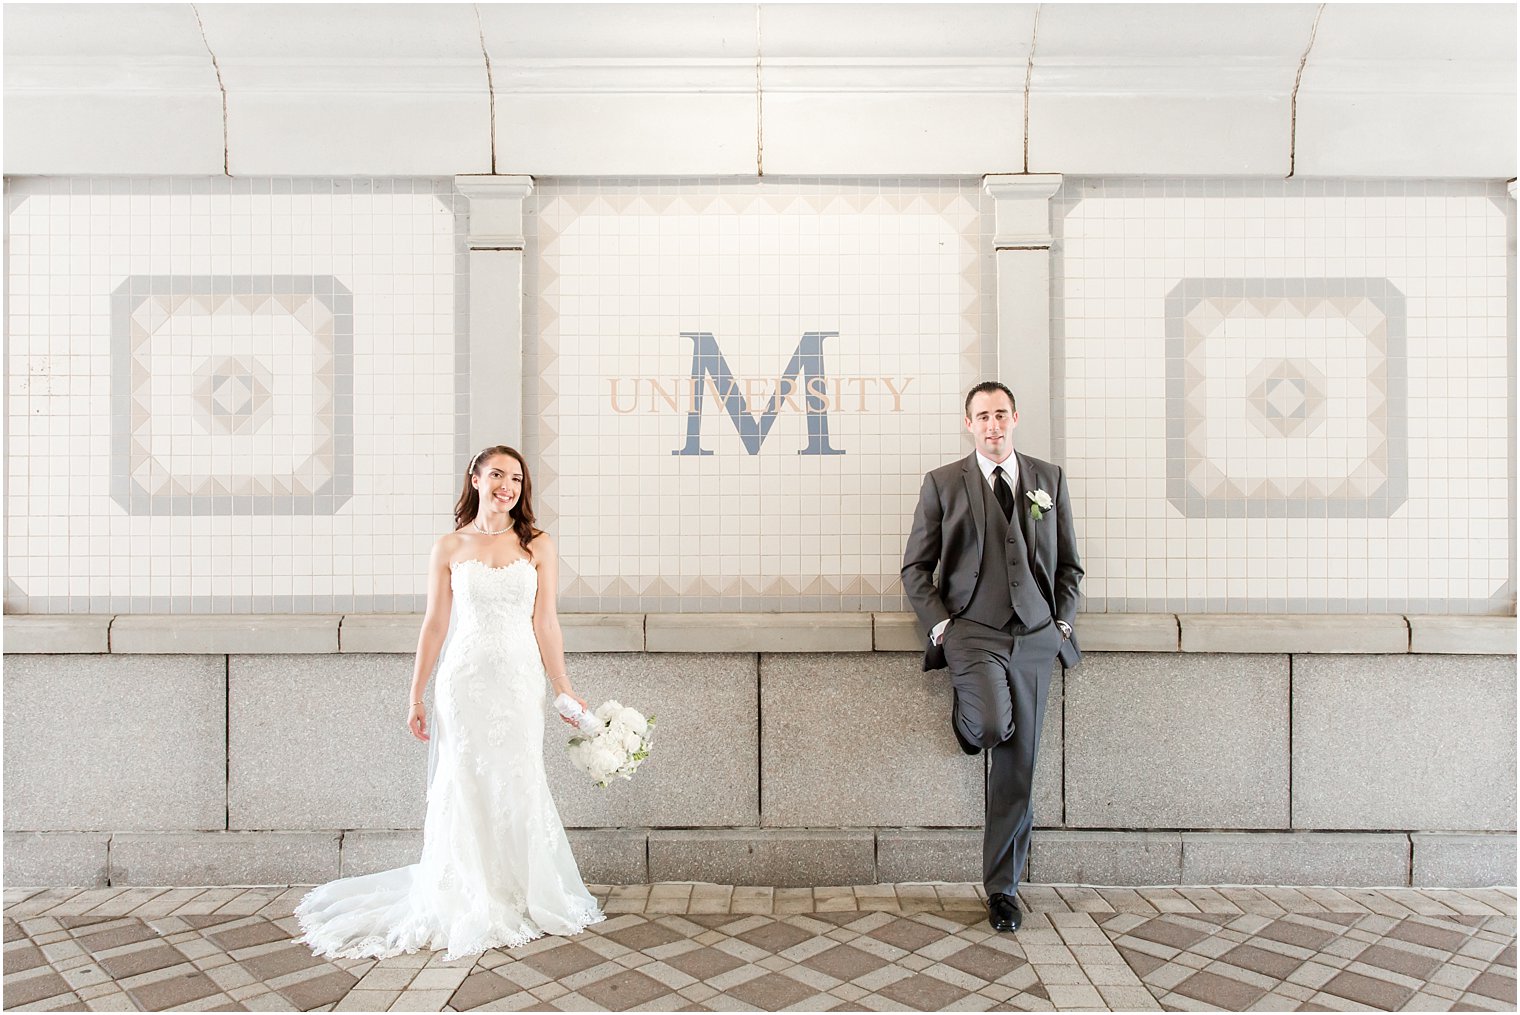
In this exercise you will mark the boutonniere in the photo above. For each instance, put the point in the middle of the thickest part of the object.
(1039, 503)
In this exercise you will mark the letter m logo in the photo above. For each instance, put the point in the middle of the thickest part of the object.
(707, 361)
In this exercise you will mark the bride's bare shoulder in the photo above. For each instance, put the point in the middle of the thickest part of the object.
(448, 545)
(542, 546)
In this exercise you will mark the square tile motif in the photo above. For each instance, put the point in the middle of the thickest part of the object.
(1286, 398)
(273, 371)
(232, 393)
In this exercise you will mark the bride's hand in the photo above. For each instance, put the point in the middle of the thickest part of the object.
(416, 721)
(565, 718)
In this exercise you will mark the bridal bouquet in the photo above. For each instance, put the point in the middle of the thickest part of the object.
(613, 742)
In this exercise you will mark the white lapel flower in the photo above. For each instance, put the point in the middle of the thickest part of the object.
(1039, 503)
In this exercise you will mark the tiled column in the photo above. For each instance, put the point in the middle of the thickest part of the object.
(496, 307)
(1021, 236)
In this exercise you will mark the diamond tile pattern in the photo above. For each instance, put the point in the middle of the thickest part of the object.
(874, 948)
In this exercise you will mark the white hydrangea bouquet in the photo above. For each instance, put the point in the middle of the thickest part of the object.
(613, 742)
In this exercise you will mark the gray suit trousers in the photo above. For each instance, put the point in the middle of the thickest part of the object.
(1001, 680)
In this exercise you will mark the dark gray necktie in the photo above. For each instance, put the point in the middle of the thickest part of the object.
(1003, 492)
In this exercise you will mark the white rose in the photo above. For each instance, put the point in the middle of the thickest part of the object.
(633, 720)
(1042, 500)
(605, 760)
(580, 755)
(632, 741)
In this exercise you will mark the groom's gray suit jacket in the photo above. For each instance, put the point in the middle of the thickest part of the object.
(949, 531)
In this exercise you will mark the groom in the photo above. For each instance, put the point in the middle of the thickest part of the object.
(998, 526)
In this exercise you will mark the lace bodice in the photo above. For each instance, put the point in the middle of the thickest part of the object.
(486, 595)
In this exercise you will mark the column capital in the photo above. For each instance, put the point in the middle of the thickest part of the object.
(1021, 209)
(495, 209)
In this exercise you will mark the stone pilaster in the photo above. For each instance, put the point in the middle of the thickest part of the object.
(1021, 237)
(496, 306)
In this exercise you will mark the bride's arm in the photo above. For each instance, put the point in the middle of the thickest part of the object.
(435, 628)
(551, 640)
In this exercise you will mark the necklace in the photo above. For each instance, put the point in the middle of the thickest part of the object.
(488, 532)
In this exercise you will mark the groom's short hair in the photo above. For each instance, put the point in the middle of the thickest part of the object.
(987, 388)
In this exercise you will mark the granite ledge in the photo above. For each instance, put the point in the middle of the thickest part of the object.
(1462, 635)
(1096, 632)
(57, 633)
(758, 632)
(584, 632)
(223, 634)
(1374, 633)
(1127, 632)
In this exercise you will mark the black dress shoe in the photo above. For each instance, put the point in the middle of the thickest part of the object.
(1003, 913)
(966, 746)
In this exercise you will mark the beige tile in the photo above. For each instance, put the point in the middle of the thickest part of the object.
(367, 1000)
(1064, 975)
(1065, 997)
(420, 1000)
(439, 979)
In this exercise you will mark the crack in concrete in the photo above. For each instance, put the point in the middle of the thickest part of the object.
(217, 67)
(1298, 79)
(759, 98)
(490, 83)
(1034, 38)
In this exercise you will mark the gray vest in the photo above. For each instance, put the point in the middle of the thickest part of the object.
(1005, 585)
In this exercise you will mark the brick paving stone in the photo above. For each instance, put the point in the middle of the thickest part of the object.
(923, 992)
(113, 934)
(367, 1000)
(173, 991)
(275, 962)
(1377, 993)
(1499, 986)
(317, 991)
(563, 960)
(771, 991)
(33, 986)
(1127, 900)
(827, 949)
(909, 935)
(244, 935)
(124, 965)
(774, 936)
(1075, 997)
(624, 990)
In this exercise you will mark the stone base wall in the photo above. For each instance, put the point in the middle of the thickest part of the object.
(782, 768)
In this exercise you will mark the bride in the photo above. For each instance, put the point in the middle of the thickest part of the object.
(496, 869)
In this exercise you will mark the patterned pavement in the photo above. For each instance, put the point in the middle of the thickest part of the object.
(702, 947)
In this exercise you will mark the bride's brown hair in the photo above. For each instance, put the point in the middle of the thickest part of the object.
(468, 505)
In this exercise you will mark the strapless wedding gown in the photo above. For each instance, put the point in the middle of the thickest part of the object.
(496, 869)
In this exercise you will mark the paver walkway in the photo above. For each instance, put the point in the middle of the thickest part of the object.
(873, 947)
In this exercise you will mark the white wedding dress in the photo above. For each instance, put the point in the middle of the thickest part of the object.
(496, 869)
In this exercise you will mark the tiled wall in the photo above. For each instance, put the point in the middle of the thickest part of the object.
(249, 395)
(1288, 396)
(872, 295)
(230, 395)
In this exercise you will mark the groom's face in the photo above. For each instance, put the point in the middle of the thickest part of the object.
(991, 424)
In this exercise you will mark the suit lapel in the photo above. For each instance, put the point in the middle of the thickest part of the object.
(972, 474)
(1027, 484)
